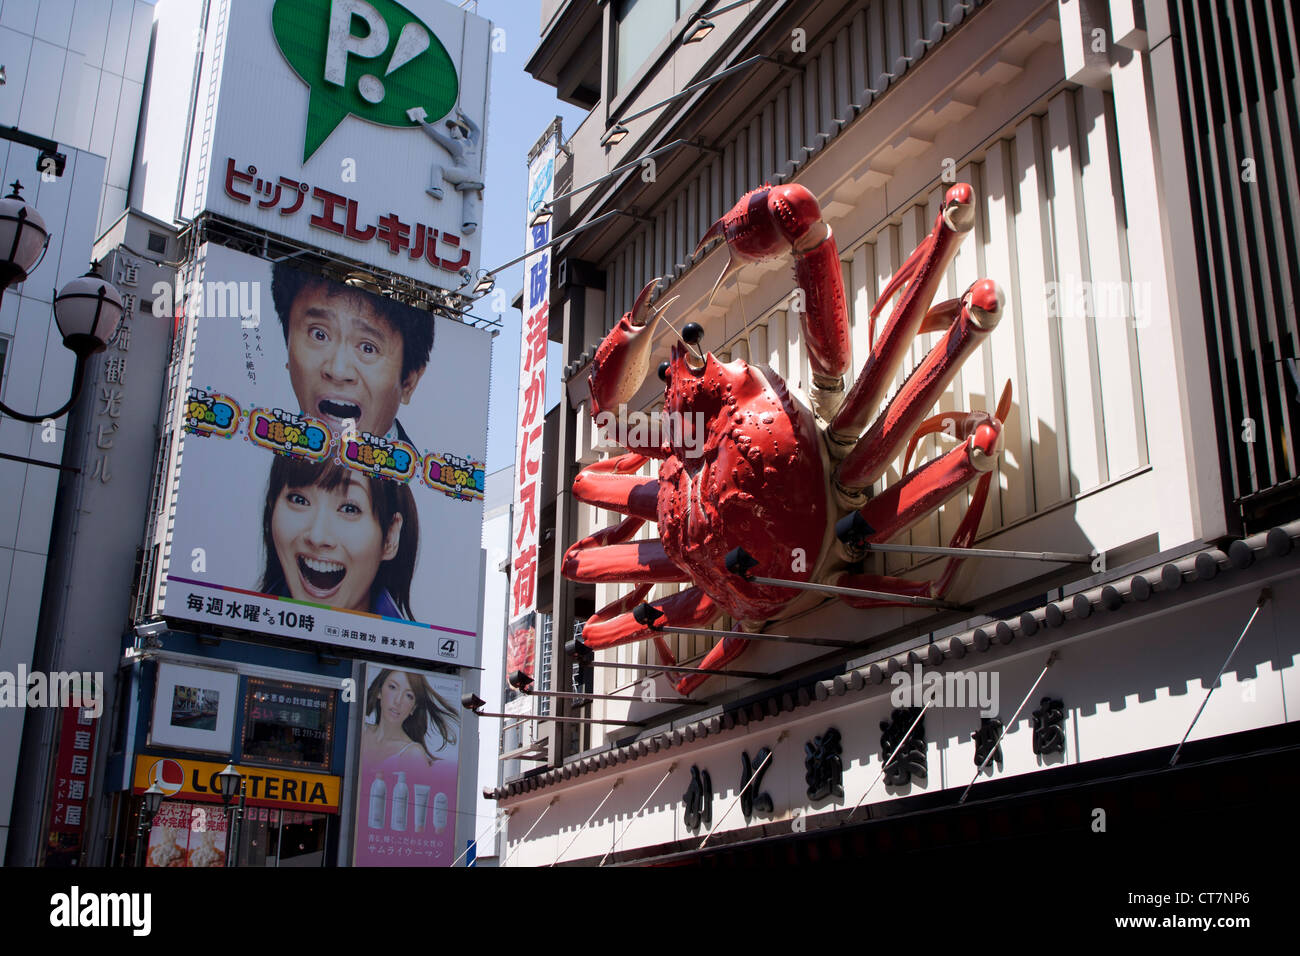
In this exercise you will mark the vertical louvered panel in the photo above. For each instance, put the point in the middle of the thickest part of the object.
(1239, 81)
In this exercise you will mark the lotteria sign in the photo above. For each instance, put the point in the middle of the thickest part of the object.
(354, 125)
(197, 780)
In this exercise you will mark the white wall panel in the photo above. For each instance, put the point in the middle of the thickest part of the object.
(1082, 378)
(90, 29)
(20, 15)
(16, 49)
(1102, 193)
(40, 88)
(1043, 374)
(119, 36)
(54, 21)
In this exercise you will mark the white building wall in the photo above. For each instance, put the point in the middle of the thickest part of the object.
(37, 378)
(1129, 687)
(79, 69)
(496, 590)
(74, 73)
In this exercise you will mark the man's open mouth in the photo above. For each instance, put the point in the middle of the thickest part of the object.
(322, 578)
(333, 408)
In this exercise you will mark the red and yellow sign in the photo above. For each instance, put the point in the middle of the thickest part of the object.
(265, 787)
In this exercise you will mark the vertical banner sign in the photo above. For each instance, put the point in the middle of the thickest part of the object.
(532, 396)
(69, 796)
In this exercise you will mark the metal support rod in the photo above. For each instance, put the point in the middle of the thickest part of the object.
(43, 464)
(644, 803)
(683, 669)
(752, 777)
(688, 90)
(746, 635)
(558, 239)
(1264, 596)
(617, 784)
(907, 736)
(1067, 557)
(861, 592)
(631, 700)
(632, 164)
(565, 720)
(495, 826)
(547, 810)
(1051, 659)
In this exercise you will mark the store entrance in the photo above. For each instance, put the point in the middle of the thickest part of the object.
(282, 838)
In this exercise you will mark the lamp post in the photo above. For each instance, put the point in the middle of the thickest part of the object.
(153, 798)
(87, 309)
(232, 782)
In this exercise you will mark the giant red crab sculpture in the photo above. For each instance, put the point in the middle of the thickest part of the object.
(787, 480)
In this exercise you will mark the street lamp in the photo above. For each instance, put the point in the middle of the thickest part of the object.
(153, 798)
(87, 309)
(232, 782)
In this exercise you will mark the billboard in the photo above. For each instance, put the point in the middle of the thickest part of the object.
(407, 775)
(331, 480)
(356, 126)
(532, 415)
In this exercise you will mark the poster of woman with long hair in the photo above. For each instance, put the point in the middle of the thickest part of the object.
(406, 784)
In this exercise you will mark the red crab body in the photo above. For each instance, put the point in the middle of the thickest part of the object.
(750, 464)
(758, 483)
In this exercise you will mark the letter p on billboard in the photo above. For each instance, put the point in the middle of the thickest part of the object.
(373, 59)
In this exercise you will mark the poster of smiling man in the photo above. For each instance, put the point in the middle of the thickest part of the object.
(331, 477)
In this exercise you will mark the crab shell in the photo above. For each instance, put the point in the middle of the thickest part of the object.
(757, 480)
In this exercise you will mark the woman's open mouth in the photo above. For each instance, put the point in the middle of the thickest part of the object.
(321, 578)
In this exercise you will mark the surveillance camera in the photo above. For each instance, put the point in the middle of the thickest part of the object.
(151, 630)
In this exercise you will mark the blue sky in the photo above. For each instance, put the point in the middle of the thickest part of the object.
(519, 110)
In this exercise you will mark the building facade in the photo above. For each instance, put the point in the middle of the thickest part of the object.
(281, 470)
(1127, 164)
(73, 78)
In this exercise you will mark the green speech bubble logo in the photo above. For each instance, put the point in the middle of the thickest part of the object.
(371, 58)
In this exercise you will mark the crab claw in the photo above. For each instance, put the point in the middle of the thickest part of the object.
(767, 221)
(623, 358)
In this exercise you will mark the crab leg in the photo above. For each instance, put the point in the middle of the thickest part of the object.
(980, 311)
(621, 607)
(626, 494)
(631, 562)
(925, 490)
(963, 537)
(775, 220)
(719, 656)
(922, 272)
(688, 608)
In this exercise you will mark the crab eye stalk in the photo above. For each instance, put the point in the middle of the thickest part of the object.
(663, 371)
(692, 332)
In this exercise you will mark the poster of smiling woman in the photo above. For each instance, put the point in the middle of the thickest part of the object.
(331, 477)
(406, 782)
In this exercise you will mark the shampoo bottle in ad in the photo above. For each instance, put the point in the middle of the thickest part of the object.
(378, 799)
(399, 802)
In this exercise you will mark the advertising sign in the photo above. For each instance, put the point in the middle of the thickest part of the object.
(331, 484)
(69, 800)
(197, 780)
(532, 413)
(406, 781)
(194, 708)
(185, 834)
(353, 125)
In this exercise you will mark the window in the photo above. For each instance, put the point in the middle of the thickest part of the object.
(639, 27)
(288, 724)
(157, 243)
(4, 353)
